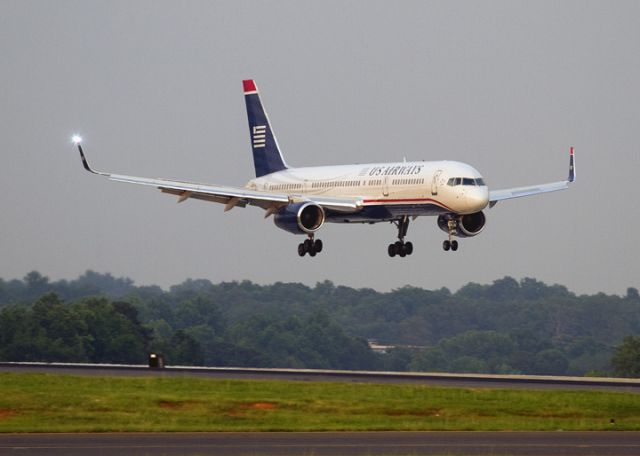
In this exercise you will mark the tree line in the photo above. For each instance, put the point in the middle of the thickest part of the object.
(509, 326)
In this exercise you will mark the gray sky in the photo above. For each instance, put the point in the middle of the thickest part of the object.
(155, 89)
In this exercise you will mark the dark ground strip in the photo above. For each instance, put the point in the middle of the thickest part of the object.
(326, 443)
(453, 380)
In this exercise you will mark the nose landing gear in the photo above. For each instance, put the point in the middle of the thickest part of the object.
(311, 246)
(453, 245)
(400, 247)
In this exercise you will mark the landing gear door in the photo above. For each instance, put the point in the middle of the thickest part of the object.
(435, 182)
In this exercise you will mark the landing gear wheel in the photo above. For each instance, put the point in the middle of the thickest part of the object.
(308, 244)
(401, 248)
(408, 247)
(454, 245)
(446, 245)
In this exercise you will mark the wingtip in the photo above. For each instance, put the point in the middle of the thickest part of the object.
(572, 166)
(85, 163)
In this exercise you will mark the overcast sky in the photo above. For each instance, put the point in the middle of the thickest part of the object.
(155, 89)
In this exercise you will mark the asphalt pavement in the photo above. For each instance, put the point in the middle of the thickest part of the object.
(325, 443)
(318, 375)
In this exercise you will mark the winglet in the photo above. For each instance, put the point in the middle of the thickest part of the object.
(572, 166)
(77, 140)
(84, 160)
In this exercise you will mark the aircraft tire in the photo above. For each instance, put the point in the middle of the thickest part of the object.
(408, 247)
(301, 250)
(308, 245)
(446, 245)
(317, 245)
(454, 245)
(391, 250)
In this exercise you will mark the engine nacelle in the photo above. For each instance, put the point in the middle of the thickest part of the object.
(300, 218)
(465, 225)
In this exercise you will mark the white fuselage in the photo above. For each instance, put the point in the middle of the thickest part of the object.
(430, 186)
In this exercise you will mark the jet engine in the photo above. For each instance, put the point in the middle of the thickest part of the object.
(463, 225)
(300, 218)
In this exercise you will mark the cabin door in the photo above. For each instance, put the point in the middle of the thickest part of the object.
(435, 182)
(385, 186)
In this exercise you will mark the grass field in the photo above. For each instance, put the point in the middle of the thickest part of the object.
(64, 403)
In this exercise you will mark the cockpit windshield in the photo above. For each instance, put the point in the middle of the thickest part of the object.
(465, 181)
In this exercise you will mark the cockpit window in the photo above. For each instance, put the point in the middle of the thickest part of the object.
(452, 182)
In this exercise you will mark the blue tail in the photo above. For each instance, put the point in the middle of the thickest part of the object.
(266, 154)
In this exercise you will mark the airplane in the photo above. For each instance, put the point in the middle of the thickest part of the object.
(302, 200)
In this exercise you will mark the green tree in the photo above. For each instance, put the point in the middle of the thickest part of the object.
(37, 284)
(49, 331)
(397, 359)
(117, 336)
(469, 364)
(493, 349)
(430, 360)
(550, 362)
(626, 358)
(185, 350)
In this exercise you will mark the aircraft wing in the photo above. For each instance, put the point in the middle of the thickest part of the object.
(229, 196)
(518, 192)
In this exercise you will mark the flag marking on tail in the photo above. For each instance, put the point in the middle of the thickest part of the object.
(259, 136)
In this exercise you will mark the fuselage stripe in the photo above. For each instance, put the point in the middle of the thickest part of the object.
(408, 200)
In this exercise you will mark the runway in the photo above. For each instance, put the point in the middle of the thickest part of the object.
(439, 379)
(330, 443)
(326, 443)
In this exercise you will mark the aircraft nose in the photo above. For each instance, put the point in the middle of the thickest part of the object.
(477, 198)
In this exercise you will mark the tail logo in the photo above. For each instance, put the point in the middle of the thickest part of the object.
(259, 136)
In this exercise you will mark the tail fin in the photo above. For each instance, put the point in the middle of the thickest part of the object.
(267, 158)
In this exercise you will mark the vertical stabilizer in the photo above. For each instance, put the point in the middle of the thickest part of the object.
(267, 158)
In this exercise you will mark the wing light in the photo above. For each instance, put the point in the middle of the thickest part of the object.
(76, 139)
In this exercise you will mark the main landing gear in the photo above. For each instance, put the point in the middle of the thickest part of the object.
(451, 244)
(310, 246)
(400, 247)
